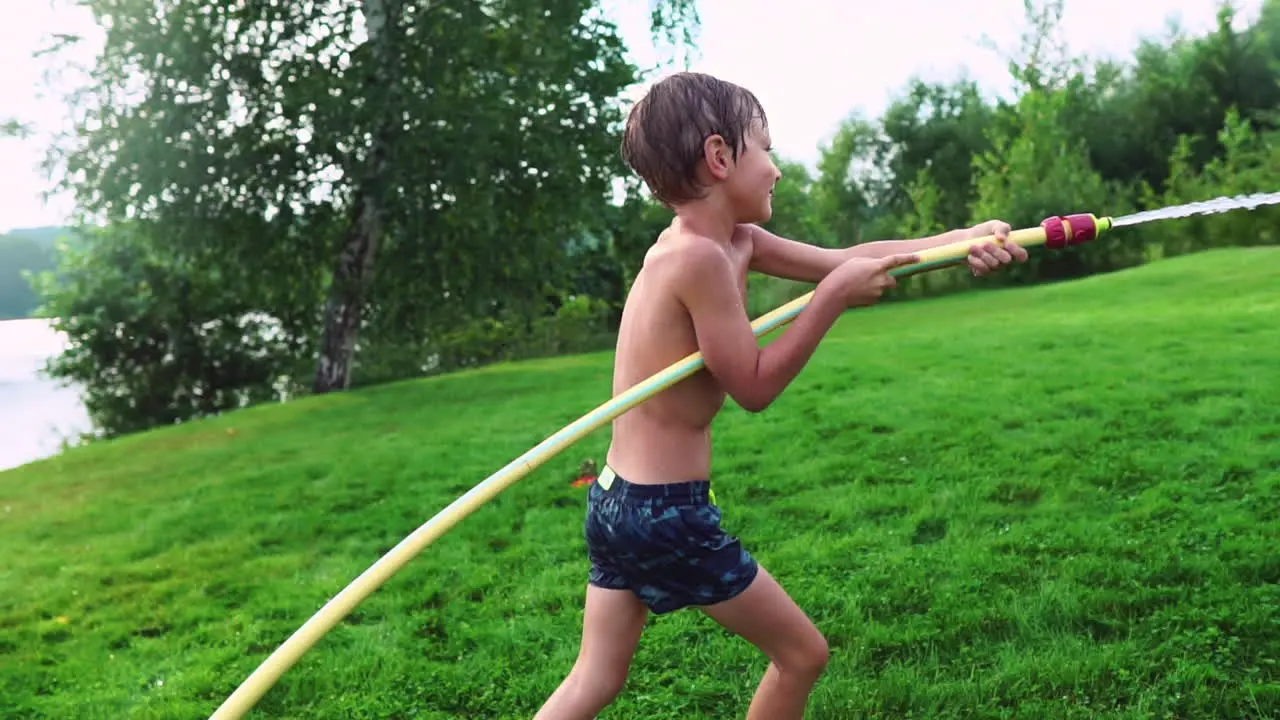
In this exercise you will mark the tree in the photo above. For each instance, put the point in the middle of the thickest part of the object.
(937, 129)
(153, 340)
(841, 196)
(1250, 164)
(12, 129)
(396, 166)
(1037, 170)
(1043, 60)
(794, 213)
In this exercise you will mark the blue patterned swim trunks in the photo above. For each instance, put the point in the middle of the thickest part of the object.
(664, 543)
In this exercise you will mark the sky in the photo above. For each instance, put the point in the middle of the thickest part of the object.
(811, 62)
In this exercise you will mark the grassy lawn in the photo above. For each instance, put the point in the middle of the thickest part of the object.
(1061, 502)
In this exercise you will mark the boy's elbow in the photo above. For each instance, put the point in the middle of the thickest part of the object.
(747, 387)
(757, 393)
(754, 402)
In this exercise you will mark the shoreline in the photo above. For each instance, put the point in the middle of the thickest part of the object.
(36, 413)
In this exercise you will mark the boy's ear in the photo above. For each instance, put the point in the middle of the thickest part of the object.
(718, 156)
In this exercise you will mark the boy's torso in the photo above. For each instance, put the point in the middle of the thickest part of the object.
(668, 437)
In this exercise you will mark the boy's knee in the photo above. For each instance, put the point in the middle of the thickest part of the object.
(601, 684)
(610, 684)
(808, 659)
(818, 655)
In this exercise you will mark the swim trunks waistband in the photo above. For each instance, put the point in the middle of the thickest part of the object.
(691, 491)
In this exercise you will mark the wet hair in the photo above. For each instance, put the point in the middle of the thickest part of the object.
(665, 132)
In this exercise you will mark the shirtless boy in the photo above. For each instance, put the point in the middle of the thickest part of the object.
(655, 542)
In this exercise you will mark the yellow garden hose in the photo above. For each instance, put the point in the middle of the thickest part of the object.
(1055, 233)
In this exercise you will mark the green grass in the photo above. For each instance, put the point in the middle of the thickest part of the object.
(1059, 502)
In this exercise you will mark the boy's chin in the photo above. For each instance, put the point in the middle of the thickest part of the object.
(761, 214)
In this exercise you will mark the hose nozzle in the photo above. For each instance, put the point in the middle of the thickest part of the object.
(1071, 230)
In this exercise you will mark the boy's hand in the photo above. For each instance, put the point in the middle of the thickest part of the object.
(861, 281)
(992, 256)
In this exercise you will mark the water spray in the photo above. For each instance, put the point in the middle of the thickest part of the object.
(1055, 233)
(1207, 207)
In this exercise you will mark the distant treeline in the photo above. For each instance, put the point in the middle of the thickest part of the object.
(25, 251)
(1185, 118)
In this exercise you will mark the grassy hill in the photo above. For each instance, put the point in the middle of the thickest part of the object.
(1059, 502)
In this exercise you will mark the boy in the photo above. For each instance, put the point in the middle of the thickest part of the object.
(702, 146)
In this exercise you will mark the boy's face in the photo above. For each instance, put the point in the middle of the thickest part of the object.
(750, 184)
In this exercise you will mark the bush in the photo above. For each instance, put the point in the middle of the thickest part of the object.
(1250, 164)
(154, 340)
(580, 323)
(1025, 178)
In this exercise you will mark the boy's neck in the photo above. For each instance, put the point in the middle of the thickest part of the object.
(708, 217)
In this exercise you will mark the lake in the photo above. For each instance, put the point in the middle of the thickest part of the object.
(35, 412)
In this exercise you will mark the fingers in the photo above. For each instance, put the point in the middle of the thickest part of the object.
(888, 281)
(1014, 250)
(987, 257)
(893, 261)
(993, 255)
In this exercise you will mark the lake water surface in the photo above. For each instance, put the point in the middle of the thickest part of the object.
(36, 413)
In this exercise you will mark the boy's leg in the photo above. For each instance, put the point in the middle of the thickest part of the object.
(766, 616)
(612, 623)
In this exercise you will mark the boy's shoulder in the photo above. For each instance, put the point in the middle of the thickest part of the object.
(691, 257)
(686, 270)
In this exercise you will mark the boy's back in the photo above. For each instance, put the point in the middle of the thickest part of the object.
(667, 438)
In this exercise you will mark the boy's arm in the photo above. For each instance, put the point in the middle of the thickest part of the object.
(793, 260)
(751, 375)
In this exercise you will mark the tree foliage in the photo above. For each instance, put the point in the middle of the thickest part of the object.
(155, 339)
(375, 175)
(1188, 118)
(13, 129)
(1029, 173)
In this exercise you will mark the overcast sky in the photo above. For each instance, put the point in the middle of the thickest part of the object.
(811, 62)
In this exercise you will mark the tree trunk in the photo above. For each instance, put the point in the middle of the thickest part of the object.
(353, 271)
(344, 310)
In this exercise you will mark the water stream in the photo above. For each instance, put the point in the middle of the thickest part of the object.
(1206, 207)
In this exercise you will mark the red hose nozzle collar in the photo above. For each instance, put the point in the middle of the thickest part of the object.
(1061, 232)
